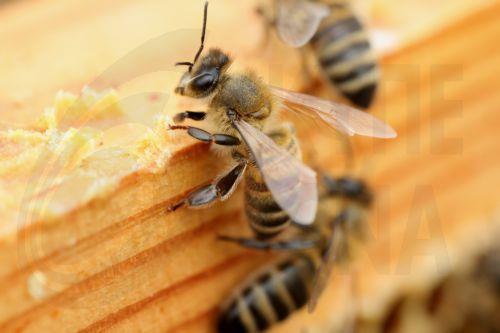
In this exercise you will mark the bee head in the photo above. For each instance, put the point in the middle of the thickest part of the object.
(204, 75)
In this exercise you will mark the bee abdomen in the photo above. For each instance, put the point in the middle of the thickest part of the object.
(270, 298)
(346, 57)
(265, 216)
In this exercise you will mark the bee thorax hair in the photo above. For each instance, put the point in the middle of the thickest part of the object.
(245, 94)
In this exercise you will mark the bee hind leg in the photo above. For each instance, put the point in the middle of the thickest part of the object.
(220, 189)
(293, 244)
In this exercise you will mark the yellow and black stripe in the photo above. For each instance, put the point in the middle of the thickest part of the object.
(271, 298)
(345, 55)
(282, 289)
(266, 217)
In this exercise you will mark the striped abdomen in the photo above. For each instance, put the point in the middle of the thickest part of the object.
(266, 218)
(271, 297)
(345, 55)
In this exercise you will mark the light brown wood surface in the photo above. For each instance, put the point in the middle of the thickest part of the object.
(119, 262)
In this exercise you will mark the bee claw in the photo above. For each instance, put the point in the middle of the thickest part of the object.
(173, 208)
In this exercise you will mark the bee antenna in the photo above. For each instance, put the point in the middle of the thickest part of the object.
(184, 63)
(189, 63)
(203, 31)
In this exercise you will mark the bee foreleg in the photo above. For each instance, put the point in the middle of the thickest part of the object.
(220, 189)
(293, 244)
(202, 135)
(193, 115)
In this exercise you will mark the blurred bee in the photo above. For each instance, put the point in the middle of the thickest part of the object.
(283, 288)
(279, 188)
(338, 40)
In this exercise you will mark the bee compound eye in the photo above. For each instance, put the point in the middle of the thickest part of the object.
(204, 82)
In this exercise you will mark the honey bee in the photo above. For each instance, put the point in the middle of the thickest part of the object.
(338, 40)
(282, 288)
(279, 188)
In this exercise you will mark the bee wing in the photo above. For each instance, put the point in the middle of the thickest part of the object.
(298, 20)
(292, 184)
(339, 116)
(335, 247)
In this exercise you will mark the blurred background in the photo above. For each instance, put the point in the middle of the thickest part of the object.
(85, 244)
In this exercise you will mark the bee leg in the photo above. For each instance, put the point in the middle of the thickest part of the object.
(202, 135)
(293, 244)
(193, 115)
(221, 189)
(340, 219)
(351, 188)
(352, 221)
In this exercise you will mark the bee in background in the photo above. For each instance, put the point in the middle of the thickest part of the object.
(279, 188)
(338, 40)
(281, 289)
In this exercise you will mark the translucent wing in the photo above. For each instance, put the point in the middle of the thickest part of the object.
(292, 183)
(298, 20)
(335, 247)
(339, 116)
